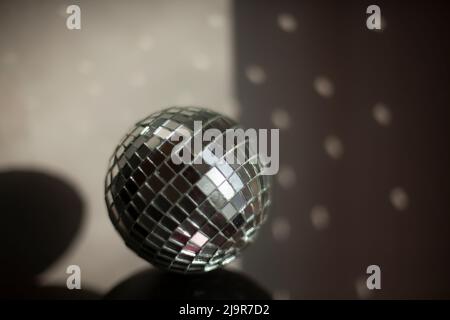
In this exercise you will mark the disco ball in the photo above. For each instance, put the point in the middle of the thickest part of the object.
(188, 217)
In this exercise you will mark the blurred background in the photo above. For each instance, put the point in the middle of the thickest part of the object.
(363, 114)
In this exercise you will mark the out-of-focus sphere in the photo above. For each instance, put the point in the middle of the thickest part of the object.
(184, 217)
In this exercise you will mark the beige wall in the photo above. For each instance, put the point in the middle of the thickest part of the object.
(66, 97)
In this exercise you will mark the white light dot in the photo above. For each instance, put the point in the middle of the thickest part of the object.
(281, 119)
(333, 146)
(399, 198)
(216, 20)
(145, 43)
(281, 229)
(256, 74)
(85, 67)
(286, 177)
(95, 89)
(361, 288)
(201, 62)
(382, 114)
(320, 217)
(287, 22)
(324, 86)
(281, 294)
(9, 58)
(138, 80)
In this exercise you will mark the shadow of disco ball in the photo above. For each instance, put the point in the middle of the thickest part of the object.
(193, 216)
